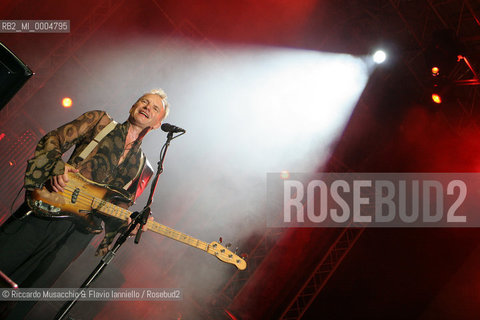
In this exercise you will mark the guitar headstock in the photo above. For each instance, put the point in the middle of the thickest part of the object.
(225, 255)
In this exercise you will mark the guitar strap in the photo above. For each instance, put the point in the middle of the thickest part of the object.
(99, 137)
(102, 134)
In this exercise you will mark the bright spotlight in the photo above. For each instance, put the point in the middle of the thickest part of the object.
(379, 56)
(67, 102)
(436, 98)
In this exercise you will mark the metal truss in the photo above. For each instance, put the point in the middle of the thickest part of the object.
(409, 25)
(322, 273)
(416, 23)
(220, 303)
(462, 17)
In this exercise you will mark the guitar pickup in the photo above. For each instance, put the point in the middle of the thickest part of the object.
(75, 194)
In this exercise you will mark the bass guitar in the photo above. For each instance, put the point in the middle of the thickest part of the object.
(81, 199)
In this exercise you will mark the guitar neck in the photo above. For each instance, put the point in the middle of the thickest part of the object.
(110, 209)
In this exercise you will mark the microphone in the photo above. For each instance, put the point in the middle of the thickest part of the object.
(167, 127)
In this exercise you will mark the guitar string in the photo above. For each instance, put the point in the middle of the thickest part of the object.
(87, 202)
(123, 213)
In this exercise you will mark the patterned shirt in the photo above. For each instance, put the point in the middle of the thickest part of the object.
(101, 165)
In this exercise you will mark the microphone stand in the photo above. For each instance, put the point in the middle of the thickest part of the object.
(138, 218)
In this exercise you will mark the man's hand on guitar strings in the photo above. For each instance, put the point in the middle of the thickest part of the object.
(59, 182)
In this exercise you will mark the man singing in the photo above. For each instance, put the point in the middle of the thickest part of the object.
(35, 250)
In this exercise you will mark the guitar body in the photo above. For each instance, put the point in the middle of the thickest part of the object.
(79, 200)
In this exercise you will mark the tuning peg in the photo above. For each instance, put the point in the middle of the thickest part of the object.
(220, 240)
(228, 245)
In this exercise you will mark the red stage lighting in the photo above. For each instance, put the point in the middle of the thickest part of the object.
(67, 102)
(230, 315)
(435, 71)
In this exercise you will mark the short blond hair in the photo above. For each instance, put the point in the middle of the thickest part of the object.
(161, 93)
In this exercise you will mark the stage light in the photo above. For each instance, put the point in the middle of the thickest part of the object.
(435, 71)
(299, 102)
(436, 98)
(442, 51)
(441, 89)
(67, 102)
(284, 174)
(379, 56)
